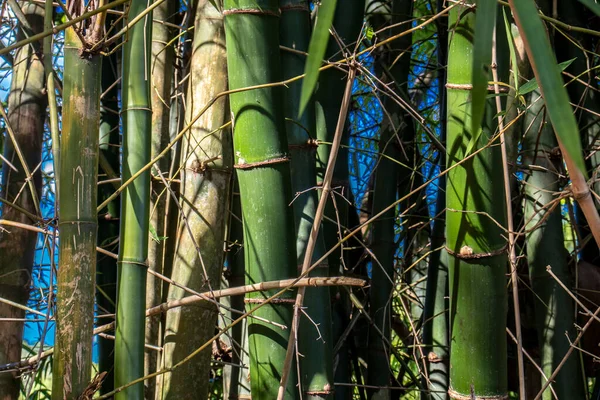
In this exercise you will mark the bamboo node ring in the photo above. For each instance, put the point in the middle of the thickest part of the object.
(277, 160)
(273, 301)
(468, 86)
(467, 253)
(459, 396)
(255, 11)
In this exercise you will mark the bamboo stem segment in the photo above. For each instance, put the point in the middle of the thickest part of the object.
(78, 224)
(477, 256)
(260, 147)
(135, 205)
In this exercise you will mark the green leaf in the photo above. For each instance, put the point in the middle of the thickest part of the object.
(532, 84)
(548, 75)
(369, 32)
(513, 53)
(316, 51)
(154, 234)
(485, 20)
(592, 5)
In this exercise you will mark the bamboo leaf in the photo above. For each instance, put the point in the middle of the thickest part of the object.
(592, 5)
(547, 74)
(485, 20)
(513, 52)
(532, 84)
(316, 51)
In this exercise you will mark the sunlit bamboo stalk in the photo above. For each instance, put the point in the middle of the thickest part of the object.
(135, 205)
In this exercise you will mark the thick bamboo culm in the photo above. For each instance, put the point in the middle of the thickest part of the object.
(263, 170)
(476, 247)
(78, 220)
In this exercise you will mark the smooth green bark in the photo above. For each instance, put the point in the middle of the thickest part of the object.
(207, 156)
(135, 206)
(263, 171)
(26, 106)
(78, 223)
(236, 380)
(435, 318)
(476, 246)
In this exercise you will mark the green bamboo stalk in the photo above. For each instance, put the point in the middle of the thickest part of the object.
(198, 262)
(418, 250)
(161, 67)
(236, 384)
(78, 219)
(328, 99)
(262, 162)
(315, 341)
(108, 219)
(435, 318)
(135, 205)
(26, 107)
(476, 247)
(554, 308)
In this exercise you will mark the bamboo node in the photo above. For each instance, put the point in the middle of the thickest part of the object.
(254, 11)
(295, 7)
(467, 253)
(324, 392)
(310, 144)
(139, 264)
(472, 396)
(273, 301)
(276, 160)
(468, 86)
(580, 194)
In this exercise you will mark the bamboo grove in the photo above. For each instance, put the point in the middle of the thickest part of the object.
(293, 199)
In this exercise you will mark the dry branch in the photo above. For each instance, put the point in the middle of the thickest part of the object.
(215, 294)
